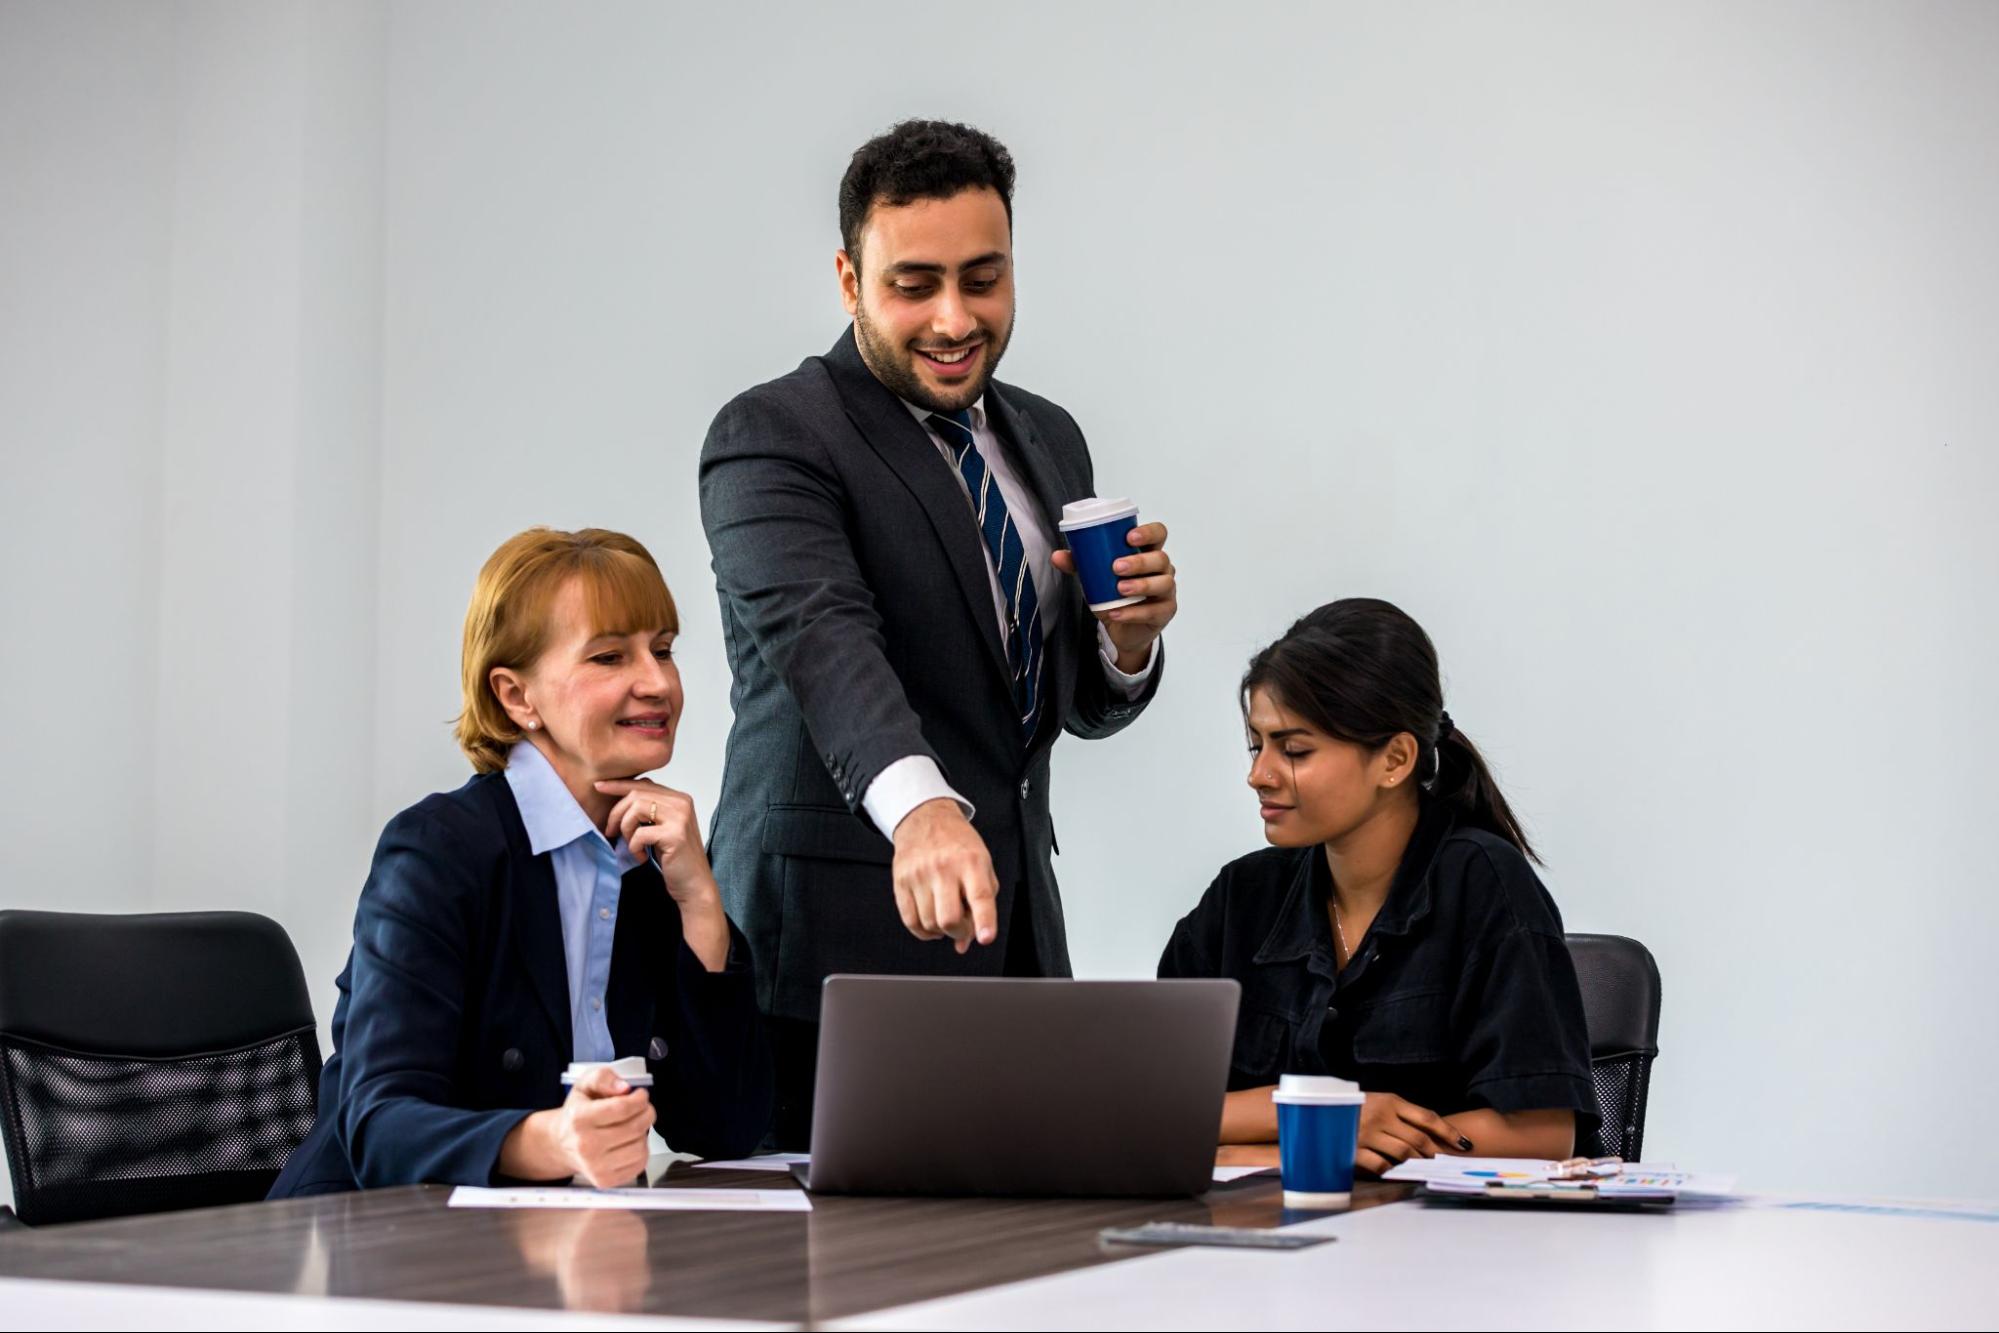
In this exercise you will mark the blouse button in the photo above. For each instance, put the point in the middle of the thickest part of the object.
(512, 1061)
(603, 914)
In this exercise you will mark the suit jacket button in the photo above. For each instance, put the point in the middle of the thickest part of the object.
(512, 1060)
(1023, 789)
(656, 1050)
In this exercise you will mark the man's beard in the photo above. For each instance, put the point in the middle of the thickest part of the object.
(895, 366)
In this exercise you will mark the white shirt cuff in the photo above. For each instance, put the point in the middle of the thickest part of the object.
(904, 785)
(1132, 685)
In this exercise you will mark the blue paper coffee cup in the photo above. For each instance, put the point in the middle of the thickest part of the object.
(1095, 530)
(1318, 1129)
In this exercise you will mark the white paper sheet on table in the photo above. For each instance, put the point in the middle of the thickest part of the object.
(1447, 1168)
(669, 1200)
(784, 1161)
(775, 1161)
(1227, 1173)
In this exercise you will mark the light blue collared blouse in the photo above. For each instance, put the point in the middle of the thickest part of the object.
(589, 872)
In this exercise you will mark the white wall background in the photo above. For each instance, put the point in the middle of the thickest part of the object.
(1643, 352)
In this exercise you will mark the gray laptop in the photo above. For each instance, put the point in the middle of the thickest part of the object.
(964, 1085)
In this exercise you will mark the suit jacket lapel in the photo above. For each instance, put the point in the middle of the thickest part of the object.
(909, 450)
(537, 922)
(645, 951)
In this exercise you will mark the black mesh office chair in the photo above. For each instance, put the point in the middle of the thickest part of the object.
(1620, 985)
(150, 1062)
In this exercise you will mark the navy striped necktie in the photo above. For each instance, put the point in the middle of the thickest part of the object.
(1009, 557)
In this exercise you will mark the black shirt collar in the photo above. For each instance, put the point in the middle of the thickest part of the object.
(1301, 920)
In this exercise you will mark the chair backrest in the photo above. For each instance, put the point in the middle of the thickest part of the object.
(150, 1062)
(1620, 985)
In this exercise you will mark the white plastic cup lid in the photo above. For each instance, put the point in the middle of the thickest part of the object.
(1317, 1090)
(1089, 513)
(632, 1069)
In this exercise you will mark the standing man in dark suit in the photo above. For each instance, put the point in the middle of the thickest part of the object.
(904, 631)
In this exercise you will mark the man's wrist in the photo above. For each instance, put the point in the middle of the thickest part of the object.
(1128, 670)
(905, 784)
(925, 813)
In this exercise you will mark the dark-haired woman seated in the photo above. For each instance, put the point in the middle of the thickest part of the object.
(1394, 933)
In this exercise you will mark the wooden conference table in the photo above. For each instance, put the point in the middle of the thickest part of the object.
(993, 1263)
(845, 1257)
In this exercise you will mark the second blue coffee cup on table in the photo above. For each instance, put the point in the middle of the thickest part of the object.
(1095, 530)
(1318, 1130)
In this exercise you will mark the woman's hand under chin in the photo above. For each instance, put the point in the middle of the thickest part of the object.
(659, 822)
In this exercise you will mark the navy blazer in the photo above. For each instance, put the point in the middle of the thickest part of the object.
(453, 1022)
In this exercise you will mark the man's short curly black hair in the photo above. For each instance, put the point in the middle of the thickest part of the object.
(920, 159)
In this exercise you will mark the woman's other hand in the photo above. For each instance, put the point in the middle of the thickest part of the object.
(660, 822)
(1393, 1130)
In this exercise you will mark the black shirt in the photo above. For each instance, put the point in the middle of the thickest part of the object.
(1461, 996)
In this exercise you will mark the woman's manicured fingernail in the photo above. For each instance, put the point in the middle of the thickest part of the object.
(1464, 1144)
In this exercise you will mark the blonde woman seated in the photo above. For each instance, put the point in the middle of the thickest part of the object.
(556, 907)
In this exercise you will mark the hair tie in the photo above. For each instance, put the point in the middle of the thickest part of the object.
(1444, 728)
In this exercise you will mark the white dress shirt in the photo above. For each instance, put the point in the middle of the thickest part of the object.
(914, 779)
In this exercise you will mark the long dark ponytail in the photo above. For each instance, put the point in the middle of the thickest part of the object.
(1361, 670)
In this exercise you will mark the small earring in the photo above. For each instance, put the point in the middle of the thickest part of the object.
(532, 724)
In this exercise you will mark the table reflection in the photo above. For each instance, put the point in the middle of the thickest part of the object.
(598, 1259)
